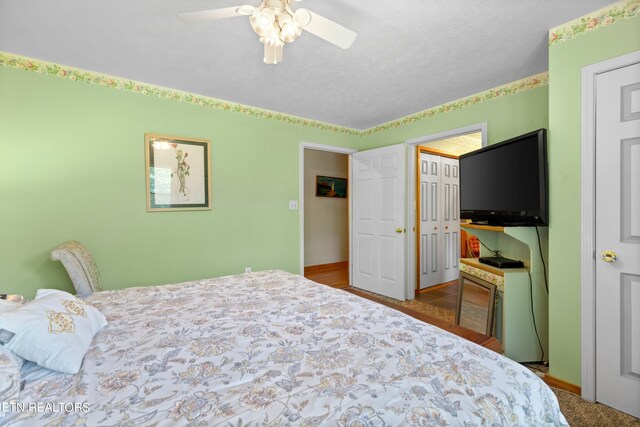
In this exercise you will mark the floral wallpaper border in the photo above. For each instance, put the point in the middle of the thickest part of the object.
(601, 18)
(518, 86)
(98, 79)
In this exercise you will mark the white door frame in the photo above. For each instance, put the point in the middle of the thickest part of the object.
(411, 192)
(587, 219)
(332, 149)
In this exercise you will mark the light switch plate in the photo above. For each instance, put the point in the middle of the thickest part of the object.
(293, 205)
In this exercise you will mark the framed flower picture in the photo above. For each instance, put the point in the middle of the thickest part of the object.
(178, 173)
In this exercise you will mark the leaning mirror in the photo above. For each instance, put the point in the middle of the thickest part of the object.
(476, 304)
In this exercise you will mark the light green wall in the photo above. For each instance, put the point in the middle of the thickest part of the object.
(566, 61)
(72, 167)
(506, 117)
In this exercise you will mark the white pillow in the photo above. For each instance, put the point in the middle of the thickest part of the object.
(8, 305)
(10, 383)
(54, 330)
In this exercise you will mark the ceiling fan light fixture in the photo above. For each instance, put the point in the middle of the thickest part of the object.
(290, 30)
(272, 37)
(284, 19)
(272, 54)
(262, 20)
(290, 33)
(276, 23)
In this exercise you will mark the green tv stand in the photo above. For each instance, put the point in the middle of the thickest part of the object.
(514, 326)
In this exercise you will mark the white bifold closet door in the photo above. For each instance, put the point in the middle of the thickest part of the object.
(439, 219)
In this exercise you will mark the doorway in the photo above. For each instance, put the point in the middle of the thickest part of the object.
(430, 156)
(325, 214)
(441, 242)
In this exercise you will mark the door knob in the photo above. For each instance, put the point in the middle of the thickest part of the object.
(400, 230)
(609, 256)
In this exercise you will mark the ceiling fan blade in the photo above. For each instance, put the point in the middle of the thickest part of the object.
(215, 14)
(325, 28)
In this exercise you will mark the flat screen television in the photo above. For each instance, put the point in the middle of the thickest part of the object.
(506, 183)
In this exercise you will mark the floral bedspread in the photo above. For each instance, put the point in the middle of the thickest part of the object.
(272, 348)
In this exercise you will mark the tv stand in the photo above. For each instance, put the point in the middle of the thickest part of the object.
(513, 320)
(495, 224)
(503, 224)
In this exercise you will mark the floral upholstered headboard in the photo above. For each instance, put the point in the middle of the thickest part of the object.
(80, 266)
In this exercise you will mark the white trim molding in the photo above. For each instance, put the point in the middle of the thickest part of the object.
(411, 192)
(587, 219)
(333, 149)
(480, 127)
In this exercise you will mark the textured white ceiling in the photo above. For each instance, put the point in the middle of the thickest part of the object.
(409, 55)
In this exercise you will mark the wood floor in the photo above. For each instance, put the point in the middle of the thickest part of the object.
(445, 296)
(337, 276)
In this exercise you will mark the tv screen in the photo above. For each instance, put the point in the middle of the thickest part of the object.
(506, 183)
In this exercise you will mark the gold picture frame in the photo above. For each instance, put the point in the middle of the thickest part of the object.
(178, 173)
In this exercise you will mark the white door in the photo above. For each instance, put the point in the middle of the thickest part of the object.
(379, 221)
(618, 230)
(430, 217)
(450, 219)
(439, 220)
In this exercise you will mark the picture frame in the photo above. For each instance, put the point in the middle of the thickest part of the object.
(333, 187)
(178, 173)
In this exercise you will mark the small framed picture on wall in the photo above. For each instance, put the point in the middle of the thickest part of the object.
(327, 186)
(178, 173)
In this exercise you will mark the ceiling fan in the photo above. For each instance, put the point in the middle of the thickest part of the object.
(276, 24)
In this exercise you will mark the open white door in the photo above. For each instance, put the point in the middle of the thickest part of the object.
(618, 239)
(378, 237)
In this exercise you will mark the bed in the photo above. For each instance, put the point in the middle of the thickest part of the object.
(273, 348)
